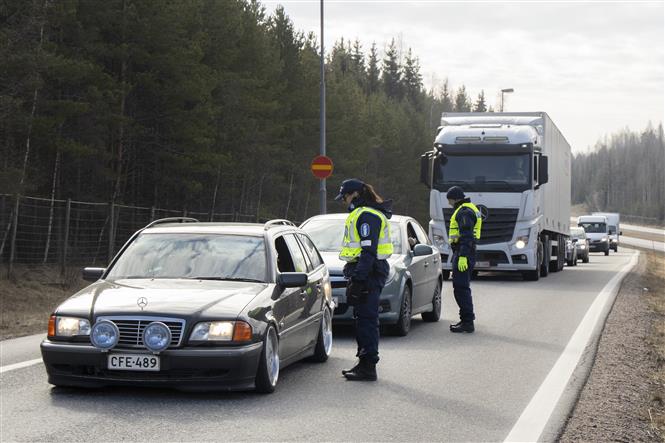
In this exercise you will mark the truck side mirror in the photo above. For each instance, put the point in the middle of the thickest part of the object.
(543, 175)
(425, 169)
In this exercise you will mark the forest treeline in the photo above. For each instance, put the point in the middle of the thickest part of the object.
(213, 106)
(204, 105)
(624, 173)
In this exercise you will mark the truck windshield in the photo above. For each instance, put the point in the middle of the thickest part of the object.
(485, 172)
(595, 228)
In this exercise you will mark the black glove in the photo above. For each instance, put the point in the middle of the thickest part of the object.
(356, 293)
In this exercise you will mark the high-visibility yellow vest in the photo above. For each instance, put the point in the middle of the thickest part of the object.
(453, 232)
(352, 247)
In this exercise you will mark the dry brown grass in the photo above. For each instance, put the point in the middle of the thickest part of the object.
(654, 290)
(30, 295)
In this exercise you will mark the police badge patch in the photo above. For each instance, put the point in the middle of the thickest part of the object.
(364, 230)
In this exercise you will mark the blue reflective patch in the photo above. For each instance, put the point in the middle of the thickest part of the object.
(364, 230)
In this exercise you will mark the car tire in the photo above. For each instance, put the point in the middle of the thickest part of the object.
(607, 251)
(616, 249)
(268, 371)
(403, 325)
(445, 275)
(435, 314)
(324, 338)
(586, 258)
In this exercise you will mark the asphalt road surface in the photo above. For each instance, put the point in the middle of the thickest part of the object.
(433, 385)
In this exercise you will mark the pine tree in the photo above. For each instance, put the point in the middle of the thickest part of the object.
(373, 71)
(480, 105)
(412, 80)
(392, 77)
(462, 103)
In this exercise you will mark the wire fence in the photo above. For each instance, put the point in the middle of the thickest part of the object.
(72, 233)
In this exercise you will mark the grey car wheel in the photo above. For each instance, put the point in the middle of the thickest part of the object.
(435, 314)
(324, 341)
(403, 325)
(268, 372)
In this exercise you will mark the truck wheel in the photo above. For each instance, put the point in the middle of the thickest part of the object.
(607, 250)
(545, 257)
(445, 275)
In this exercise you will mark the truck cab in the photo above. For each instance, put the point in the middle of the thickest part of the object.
(501, 161)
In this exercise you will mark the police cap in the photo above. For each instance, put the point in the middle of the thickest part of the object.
(349, 186)
(455, 193)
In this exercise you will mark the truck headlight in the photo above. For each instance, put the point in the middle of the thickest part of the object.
(522, 238)
(222, 331)
(68, 326)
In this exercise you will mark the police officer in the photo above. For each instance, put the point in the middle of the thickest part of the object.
(366, 246)
(465, 225)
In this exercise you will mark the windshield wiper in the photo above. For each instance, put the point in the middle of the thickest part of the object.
(249, 280)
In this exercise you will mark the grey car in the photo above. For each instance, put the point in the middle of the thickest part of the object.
(581, 242)
(414, 282)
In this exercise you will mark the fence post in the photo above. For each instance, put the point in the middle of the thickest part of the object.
(65, 242)
(152, 214)
(111, 230)
(12, 250)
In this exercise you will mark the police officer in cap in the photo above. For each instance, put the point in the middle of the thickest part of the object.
(464, 233)
(366, 246)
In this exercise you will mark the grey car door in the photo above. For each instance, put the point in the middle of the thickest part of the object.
(431, 264)
(317, 273)
(417, 268)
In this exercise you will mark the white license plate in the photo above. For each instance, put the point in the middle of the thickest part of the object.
(133, 362)
(483, 264)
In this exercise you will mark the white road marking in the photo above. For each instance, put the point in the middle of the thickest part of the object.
(537, 413)
(23, 364)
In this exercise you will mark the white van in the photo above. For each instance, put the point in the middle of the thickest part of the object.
(613, 220)
(597, 231)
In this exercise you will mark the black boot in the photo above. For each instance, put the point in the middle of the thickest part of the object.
(353, 369)
(364, 371)
(463, 326)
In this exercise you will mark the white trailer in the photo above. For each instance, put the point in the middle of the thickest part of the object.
(516, 168)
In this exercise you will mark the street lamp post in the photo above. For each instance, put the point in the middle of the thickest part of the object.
(503, 91)
(322, 148)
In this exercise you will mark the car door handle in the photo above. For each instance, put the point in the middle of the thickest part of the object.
(426, 264)
(303, 294)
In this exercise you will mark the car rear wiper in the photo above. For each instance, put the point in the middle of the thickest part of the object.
(249, 280)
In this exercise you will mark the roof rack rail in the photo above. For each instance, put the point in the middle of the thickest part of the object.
(171, 220)
(278, 221)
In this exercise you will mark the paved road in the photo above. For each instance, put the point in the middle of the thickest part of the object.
(433, 385)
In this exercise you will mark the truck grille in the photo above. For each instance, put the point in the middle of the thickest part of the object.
(131, 330)
(497, 228)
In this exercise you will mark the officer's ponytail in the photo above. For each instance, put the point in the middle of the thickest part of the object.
(370, 195)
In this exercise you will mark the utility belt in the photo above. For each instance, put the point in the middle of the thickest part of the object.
(455, 247)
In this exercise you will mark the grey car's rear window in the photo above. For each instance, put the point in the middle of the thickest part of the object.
(327, 234)
(176, 255)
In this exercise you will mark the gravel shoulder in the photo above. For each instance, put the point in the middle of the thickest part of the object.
(624, 396)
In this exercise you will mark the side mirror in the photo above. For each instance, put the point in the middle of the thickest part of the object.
(543, 175)
(620, 232)
(420, 250)
(92, 274)
(292, 279)
(426, 169)
(574, 240)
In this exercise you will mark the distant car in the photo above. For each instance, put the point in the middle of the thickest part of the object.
(196, 306)
(414, 283)
(571, 253)
(579, 238)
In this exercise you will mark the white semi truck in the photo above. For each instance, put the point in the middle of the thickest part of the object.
(516, 168)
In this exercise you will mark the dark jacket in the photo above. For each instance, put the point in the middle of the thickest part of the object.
(369, 228)
(466, 220)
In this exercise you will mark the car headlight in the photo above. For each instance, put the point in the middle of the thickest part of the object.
(437, 236)
(582, 246)
(157, 336)
(222, 331)
(603, 239)
(67, 326)
(104, 335)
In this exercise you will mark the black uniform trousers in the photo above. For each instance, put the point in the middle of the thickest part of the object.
(462, 288)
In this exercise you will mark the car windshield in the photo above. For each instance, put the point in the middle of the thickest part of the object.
(578, 234)
(195, 256)
(497, 173)
(613, 229)
(595, 228)
(327, 234)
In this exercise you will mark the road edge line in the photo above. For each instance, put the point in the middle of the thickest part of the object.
(23, 364)
(533, 421)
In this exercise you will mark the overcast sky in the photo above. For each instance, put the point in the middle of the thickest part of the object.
(595, 67)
